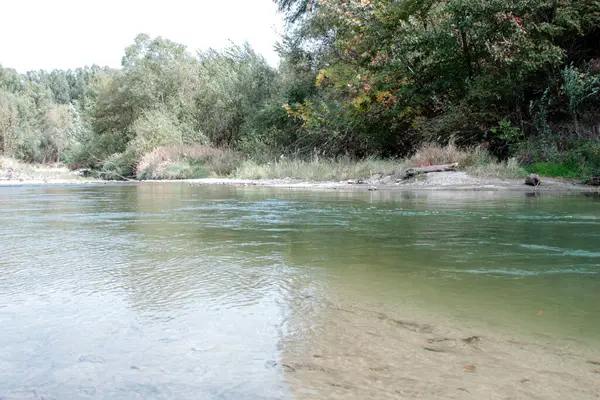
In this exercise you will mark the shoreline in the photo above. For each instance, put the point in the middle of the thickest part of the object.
(489, 185)
(453, 181)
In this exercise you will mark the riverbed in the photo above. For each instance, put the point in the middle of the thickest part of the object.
(169, 290)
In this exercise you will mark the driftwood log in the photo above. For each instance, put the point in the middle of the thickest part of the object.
(431, 168)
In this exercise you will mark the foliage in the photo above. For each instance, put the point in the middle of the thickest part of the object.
(582, 89)
(235, 84)
(575, 159)
(401, 72)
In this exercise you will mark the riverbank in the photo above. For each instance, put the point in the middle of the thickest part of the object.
(14, 173)
(451, 181)
(432, 181)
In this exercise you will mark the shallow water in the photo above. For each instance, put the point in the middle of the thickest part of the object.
(173, 291)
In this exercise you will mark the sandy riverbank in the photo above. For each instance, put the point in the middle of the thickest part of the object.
(14, 173)
(24, 174)
(434, 181)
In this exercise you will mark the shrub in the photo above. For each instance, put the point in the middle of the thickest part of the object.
(180, 170)
(118, 166)
(195, 161)
(572, 158)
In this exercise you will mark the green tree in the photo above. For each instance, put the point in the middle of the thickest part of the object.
(234, 85)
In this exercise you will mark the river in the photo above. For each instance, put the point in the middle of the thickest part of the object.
(172, 291)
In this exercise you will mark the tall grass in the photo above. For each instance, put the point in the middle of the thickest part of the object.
(320, 170)
(199, 161)
(434, 154)
(509, 169)
(475, 160)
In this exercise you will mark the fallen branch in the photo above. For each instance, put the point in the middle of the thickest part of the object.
(431, 168)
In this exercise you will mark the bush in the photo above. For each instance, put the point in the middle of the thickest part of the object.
(118, 166)
(94, 151)
(567, 158)
(180, 170)
(185, 162)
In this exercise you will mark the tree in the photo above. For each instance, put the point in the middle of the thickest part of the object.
(156, 73)
(8, 120)
(234, 85)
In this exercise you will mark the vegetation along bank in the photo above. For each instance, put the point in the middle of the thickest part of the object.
(364, 87)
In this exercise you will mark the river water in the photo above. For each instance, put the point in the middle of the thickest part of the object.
(170, 291)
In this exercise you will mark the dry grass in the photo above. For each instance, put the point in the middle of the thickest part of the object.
(475, 160)
(510, 169)
(320, 170)
(434, 154)
(11, 169)
(186, 162)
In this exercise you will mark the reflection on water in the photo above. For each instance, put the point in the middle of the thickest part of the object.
(172, 291)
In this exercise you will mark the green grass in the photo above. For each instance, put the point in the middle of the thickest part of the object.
(555, 170)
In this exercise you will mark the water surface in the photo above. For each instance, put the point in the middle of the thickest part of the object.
(172, 291)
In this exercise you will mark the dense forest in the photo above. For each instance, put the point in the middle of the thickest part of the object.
(357, 78)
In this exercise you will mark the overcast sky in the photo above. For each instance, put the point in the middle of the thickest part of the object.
(49, 34)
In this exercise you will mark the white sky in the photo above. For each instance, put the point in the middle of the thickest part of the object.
(62, 34)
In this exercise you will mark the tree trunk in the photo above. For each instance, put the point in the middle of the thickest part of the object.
(466, 52)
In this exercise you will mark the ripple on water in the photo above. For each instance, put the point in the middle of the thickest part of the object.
(209, 290)
(518, 272)
(563, 252)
